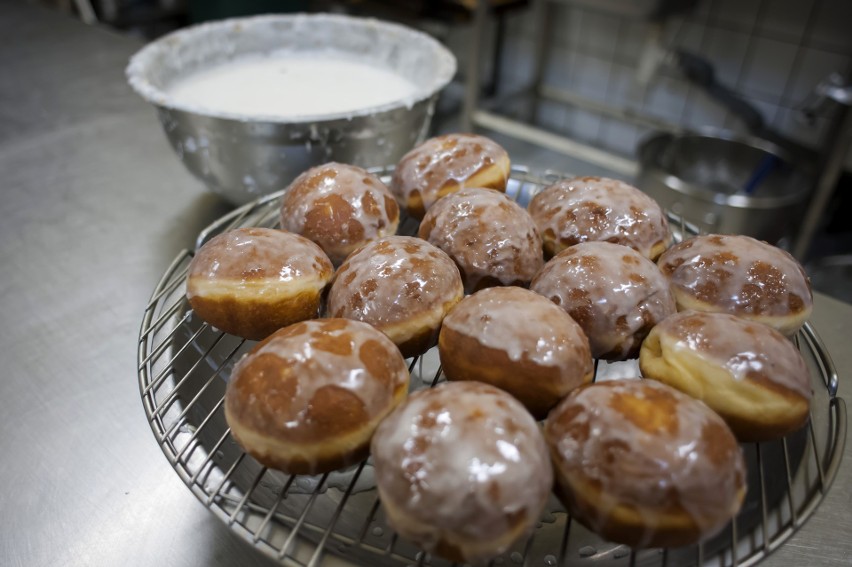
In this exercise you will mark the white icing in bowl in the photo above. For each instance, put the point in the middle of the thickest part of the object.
(410, 54)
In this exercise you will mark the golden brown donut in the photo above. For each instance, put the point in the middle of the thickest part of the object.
(251, 282)
(444, 164)
(462, 470)
(741, 276)
(613, 292)
(340, 207)
(308, 398)
(402, 285)
(491, 238)
(586, 209)
(749, 373)
(519, 341)
(642, 464)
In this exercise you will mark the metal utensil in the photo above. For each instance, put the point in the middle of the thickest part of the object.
(725, 183)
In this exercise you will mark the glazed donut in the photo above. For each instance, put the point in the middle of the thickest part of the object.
(741, 276)
(444, 164)
(519, 341)
(613, 292)
(749, 373)
(490, 237)
(308, 398)
(462, 470)
(586, 209)
(251, 282)
(642, 464)
(401, 285)
(340, 207)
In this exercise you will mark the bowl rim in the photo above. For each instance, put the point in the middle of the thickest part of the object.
(136, 75)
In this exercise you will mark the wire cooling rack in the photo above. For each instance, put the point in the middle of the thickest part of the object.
(301, 520)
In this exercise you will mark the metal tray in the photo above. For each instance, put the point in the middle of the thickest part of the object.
(183, 367)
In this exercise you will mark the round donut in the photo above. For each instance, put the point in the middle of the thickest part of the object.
(462, 470)
(491, 238)
(642, 464)
(340, 207)
(613, 292)
(250, 282)
(308, 398)
(749, 373)
(444, 164)
(402, 285)
(741, 276)
(519, 341)
(586, 209)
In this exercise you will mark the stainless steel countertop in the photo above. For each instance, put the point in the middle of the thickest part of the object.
(93, 207)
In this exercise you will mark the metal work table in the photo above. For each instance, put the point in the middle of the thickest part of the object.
(94, 207)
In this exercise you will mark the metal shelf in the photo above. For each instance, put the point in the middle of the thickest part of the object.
(183, 367)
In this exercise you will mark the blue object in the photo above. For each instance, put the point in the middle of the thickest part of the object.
(766, 165)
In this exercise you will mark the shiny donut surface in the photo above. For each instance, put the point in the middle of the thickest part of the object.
(613, 292)
(462, 470)
(739, 275)
(445, 164)
(586, 209)
(643, 464)
(339, 207)
(492, 239)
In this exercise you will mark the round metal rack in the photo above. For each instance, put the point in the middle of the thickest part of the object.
(184, 365)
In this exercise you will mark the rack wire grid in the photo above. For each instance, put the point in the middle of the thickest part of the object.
(337, 517)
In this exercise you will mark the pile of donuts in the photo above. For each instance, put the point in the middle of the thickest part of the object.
(519, 301)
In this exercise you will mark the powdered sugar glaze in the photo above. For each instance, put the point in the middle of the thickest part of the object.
(339, 206)
(599, 209)
(687, 458)
(745, 349)
(440, 161)
(613, 292)
(390, 278)
(336, 353)
(738, 274)
(488, 234)
(525, 325)
(463, 458)
(246, 256)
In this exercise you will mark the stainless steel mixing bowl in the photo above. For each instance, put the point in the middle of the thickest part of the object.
(241, 157)
(725, 183)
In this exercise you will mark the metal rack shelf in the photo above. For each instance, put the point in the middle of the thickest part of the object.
(183, 367)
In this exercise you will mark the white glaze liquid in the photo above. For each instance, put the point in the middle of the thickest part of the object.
(289, 84)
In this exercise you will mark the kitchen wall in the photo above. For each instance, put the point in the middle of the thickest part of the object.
(772, 52)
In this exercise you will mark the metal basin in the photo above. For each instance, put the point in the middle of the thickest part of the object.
(725, 184)
(242, 157)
